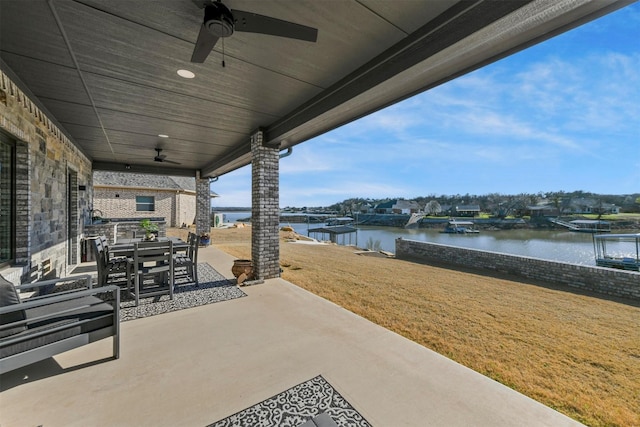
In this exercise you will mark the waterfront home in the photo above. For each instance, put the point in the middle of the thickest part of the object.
(467, 210)
(587, 205)
(397, 206)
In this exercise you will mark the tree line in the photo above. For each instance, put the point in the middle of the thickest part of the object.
(499, 204)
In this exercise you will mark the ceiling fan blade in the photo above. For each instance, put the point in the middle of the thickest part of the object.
(254, 23)
(204, 45)
(171, 161)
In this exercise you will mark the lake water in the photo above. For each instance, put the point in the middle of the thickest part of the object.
(564, 246)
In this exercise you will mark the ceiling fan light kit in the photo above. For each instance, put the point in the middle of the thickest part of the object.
(218, 20)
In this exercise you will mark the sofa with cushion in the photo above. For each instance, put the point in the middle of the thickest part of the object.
(40, 326)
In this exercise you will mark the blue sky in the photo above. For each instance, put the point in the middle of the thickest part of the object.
(563, 115)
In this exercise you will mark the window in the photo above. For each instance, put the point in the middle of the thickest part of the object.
(145, 204)
(7, 201)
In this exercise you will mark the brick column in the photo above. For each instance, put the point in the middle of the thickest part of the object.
(265, 210)
(203, 205)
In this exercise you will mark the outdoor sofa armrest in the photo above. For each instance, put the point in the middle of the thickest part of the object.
(41, 327)
(43, 287)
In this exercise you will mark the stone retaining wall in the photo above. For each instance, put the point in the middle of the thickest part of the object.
(607, 281)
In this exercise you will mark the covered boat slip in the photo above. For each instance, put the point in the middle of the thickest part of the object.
(334, 231)
(460, 227)
(617, 251)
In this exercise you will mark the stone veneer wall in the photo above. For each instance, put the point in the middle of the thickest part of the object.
(265, 213)
(45, 160)
(606, 281)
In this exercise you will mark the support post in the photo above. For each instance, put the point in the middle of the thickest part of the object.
(203, 205)
(265, 208)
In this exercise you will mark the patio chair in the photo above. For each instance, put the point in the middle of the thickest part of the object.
(38, 327)
(111, 270)
(153, 261)
(188, 260)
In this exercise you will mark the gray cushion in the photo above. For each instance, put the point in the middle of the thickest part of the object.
(9, 296)
(78, 316)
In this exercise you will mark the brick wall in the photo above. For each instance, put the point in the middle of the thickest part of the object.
(203, 202)
(186, 209)
(606, 281)
(46, 159)
(176, 208)
(265, 214)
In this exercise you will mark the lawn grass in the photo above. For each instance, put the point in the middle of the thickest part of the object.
(578, 354)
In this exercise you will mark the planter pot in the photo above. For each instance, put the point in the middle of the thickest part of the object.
(242, 269)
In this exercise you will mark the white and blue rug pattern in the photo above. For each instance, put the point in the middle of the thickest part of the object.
(212, 287)
(296, 406)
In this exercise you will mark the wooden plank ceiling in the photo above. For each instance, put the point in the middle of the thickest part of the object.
(106, 70)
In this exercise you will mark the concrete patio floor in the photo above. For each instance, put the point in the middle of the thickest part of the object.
(196, 366)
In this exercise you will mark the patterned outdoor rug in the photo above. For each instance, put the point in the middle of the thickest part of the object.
(296, 406)
(213, 287)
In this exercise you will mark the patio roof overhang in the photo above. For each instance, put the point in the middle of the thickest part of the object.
(106, 71)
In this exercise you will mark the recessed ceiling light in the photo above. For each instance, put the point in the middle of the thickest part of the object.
(162, 135)
(186, 74)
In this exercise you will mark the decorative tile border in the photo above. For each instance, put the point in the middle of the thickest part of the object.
(296, 406)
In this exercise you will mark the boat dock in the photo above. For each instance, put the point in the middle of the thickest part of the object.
(460, 227)
(584, 225)
(620, 251)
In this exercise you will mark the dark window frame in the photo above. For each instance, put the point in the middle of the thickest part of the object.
(11, 257)
(142, 203)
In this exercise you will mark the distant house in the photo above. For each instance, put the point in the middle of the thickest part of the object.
(542, 210)
(587, 205)
(131, 195)
(468, 210)
(397, 207)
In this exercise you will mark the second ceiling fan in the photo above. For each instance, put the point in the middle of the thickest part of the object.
(161, 158)
(220, 21)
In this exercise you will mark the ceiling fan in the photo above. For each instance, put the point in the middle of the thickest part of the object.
(220, 21)
(163, 158)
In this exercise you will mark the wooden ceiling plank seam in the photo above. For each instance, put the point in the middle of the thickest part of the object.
(101, 10)
(75, 61)
(382, 17)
